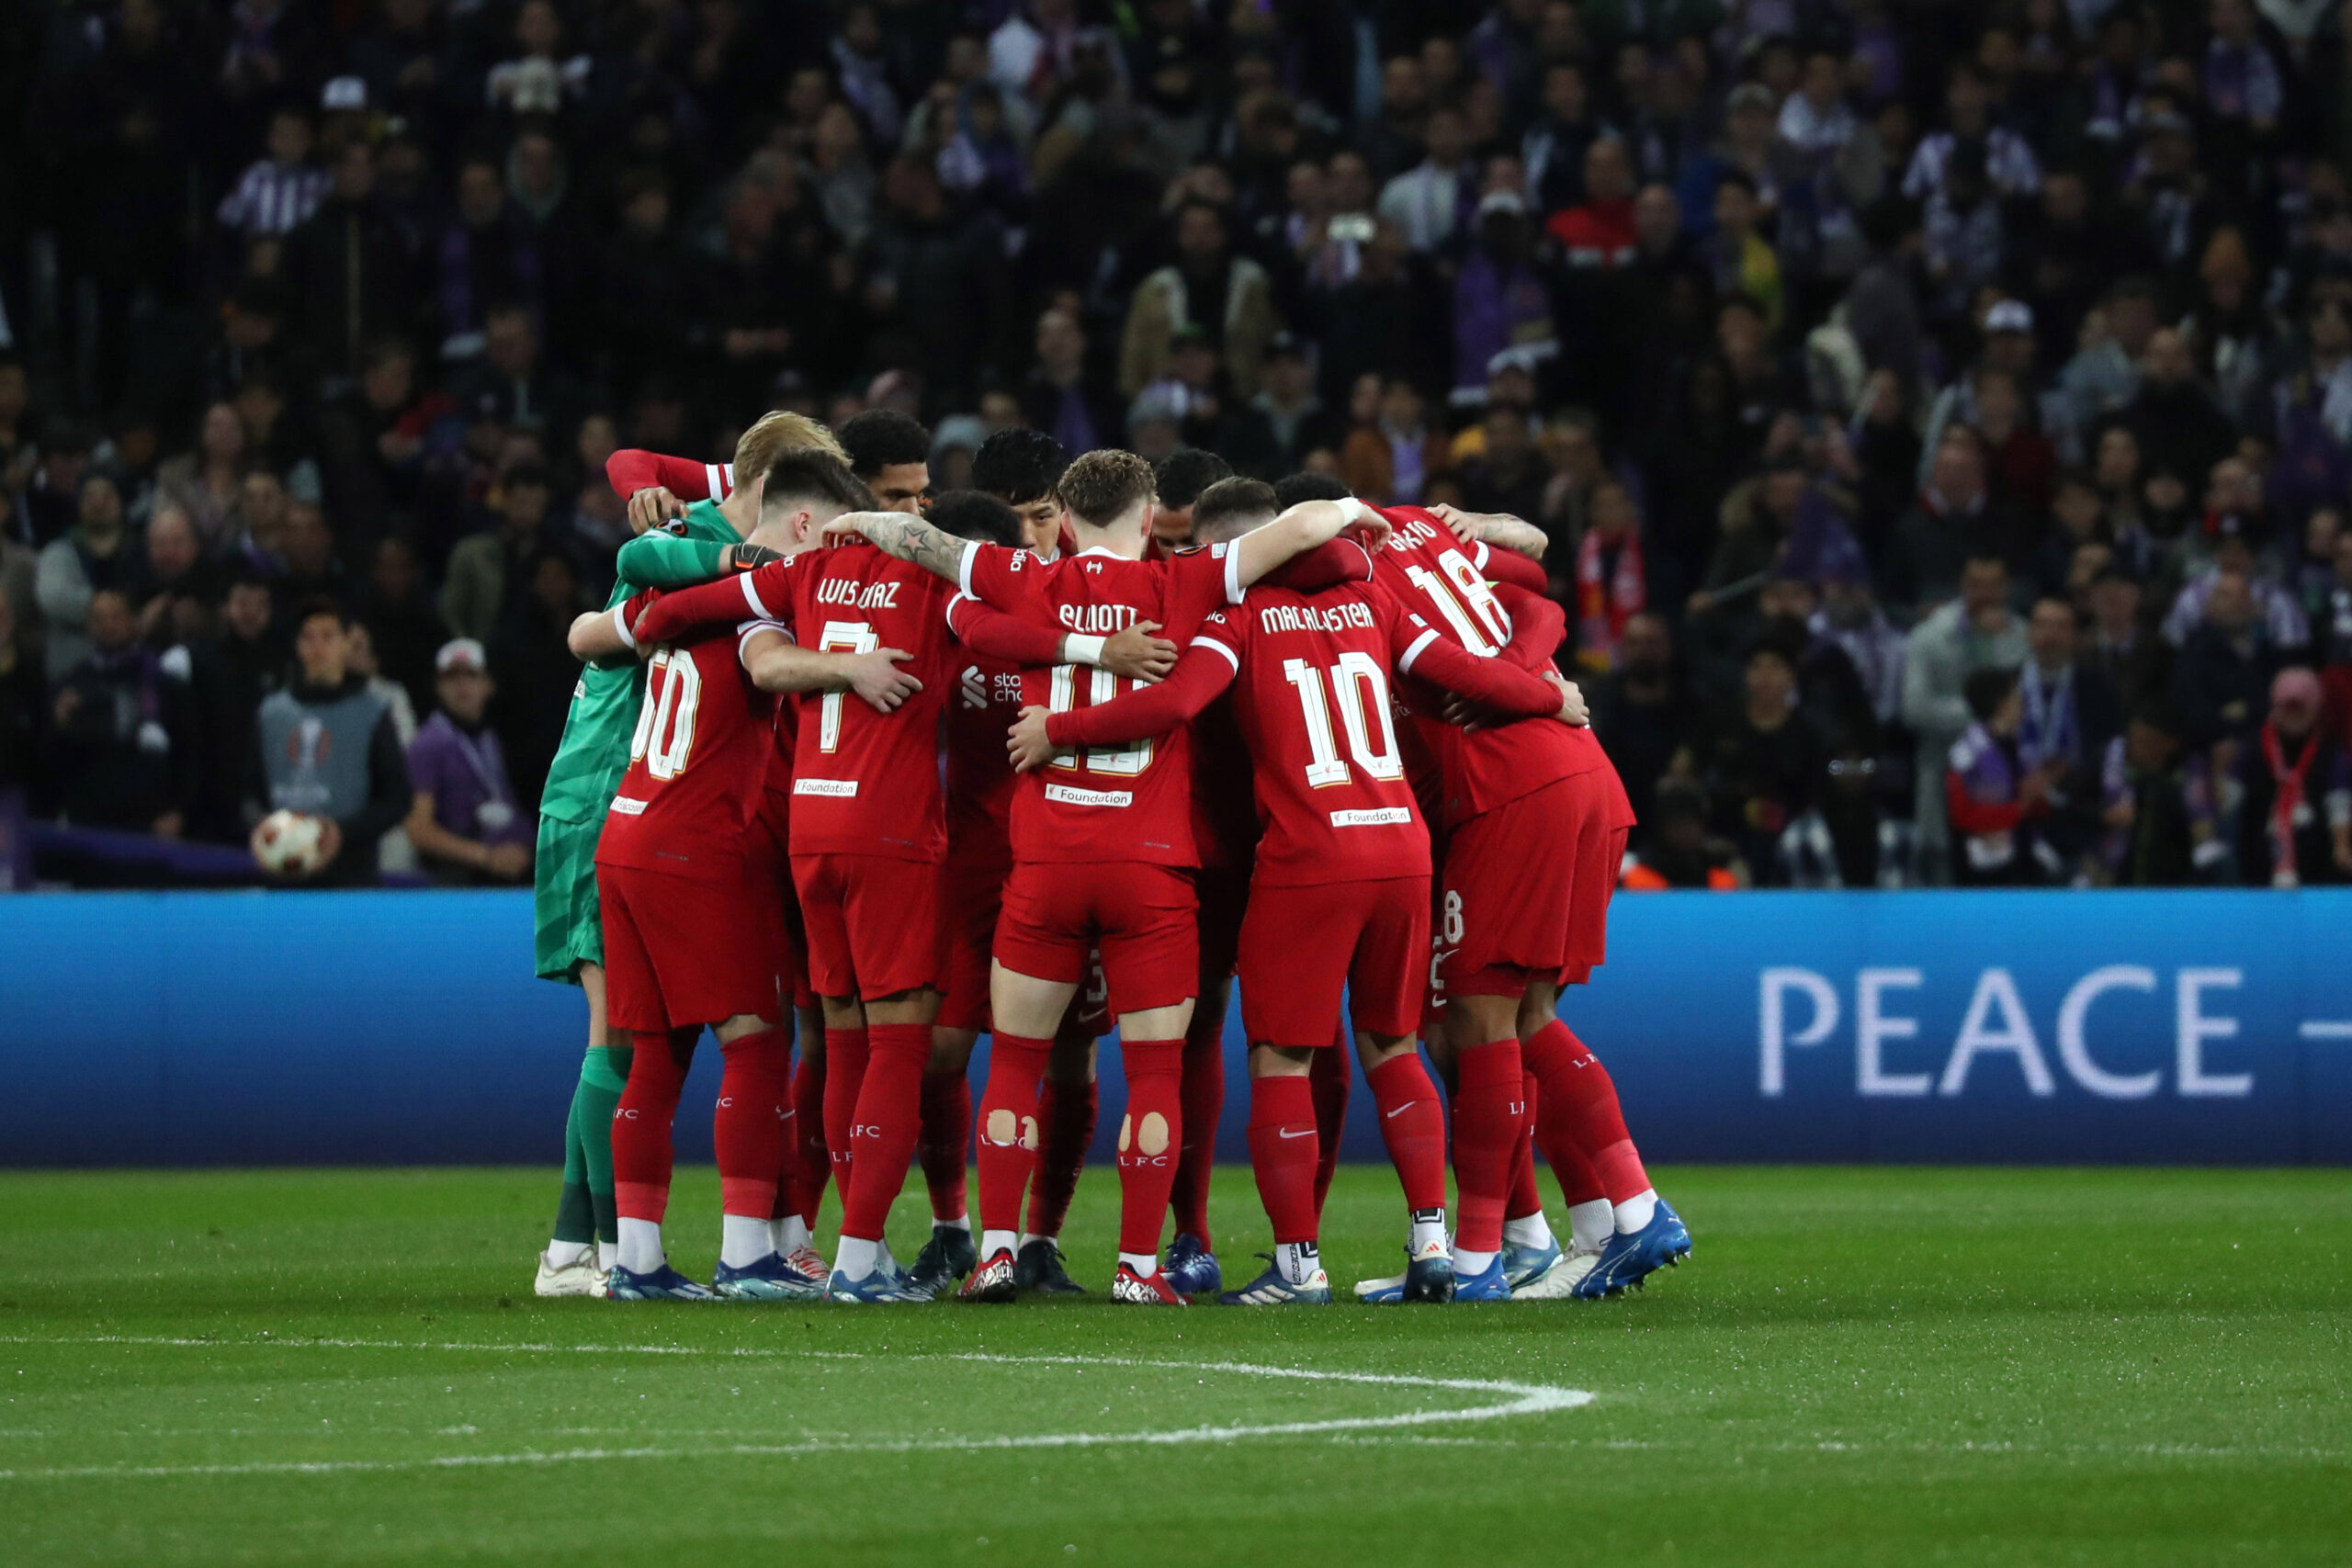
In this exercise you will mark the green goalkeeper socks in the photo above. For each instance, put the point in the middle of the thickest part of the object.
(584, 1213)
(603, 1075)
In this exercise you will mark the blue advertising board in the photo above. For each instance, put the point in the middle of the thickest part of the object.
(404, 1028)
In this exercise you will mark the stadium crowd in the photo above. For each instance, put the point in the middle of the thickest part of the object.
(1939, 414)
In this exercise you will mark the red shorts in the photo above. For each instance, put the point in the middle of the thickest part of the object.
(1141, 917)
(1300, 945)
(871, 922)
(971, 891)
(1526, 888)
(680, 952)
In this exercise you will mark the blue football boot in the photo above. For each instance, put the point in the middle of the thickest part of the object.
(1192, 1267)
(1427, 1277)
(1487, 1285)
(771, 1279)
(884, 1284)
(1524, 1265)
(1271, 1289)
(663, 1284)
(1626, 1261)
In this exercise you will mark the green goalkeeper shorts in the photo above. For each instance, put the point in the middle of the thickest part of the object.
(564, 898)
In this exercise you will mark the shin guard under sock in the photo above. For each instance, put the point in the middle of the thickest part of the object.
(1149, 1139)
(1412, 1124)
(1485, 1130)
(641, 1123)
(1007, 1148)
(887, 1119)
(1282, 1154)
(746, 1133)
(845, 1053)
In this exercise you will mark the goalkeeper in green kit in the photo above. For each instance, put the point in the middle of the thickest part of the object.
(707, 541)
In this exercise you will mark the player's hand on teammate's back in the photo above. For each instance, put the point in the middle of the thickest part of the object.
(1466, 525)
(876, 677)
(1133, 652)
(651, 507)
(1026, 742)
(1573, 710)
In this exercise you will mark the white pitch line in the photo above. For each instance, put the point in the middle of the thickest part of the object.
(1520, 1399)
(2325, 1028)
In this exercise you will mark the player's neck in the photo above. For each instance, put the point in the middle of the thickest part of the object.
(1124, 537)
(741, 511)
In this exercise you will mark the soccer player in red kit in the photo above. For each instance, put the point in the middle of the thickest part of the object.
(868, 832)
(1103, 847)
(1534, 819)
(1620, 1229)
(1340, 892)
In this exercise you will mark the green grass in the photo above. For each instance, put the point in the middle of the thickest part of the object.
(1863, 1367)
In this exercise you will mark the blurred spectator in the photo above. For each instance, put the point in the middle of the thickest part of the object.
(234, 671)
(2294, 793)
(1995, 798)
(2221, 681)
(1973, 633)
(1392, 459)
(1680, 851)
(1640, 712)
(1059, 399)
(485, 569)
(1207, 286)
(1763, 763)
(2145, 804)
(1432, 200)
(326, 747)
(208, 482)
(95, 555)
(21, 715)
(1610, 589)
(2070, 713)
(465, 822)
(1954, 521)
(124, 735)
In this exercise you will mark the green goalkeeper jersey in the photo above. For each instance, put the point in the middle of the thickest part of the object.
(594, 754)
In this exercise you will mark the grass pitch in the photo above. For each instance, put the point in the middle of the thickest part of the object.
(1862, 1367)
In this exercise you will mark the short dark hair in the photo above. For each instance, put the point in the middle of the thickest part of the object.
(1986, 690)
(1230, 498)
(974, 514)
(1101, 484)
(1186, 473)
(318, 604)
(1290, 491)
(1019, 466)
(810, 473)
(880, 437)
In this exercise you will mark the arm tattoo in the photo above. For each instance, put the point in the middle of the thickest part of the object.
(914, 540)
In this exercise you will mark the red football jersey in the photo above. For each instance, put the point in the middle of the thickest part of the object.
(1107, 803)
(980, 778)
(1312, 703)
(690, 801)
(1443, 580)
(864, 781)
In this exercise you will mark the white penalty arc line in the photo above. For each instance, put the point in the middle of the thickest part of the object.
(1517, 1399)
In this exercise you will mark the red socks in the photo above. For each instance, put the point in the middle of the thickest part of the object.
(1203, 1094)
(815, 1163)
(1282, 1154)
(1327, 1072)
(947, 1133)
(1592, 1118)
(1551, 1054)
(1008, 1141)
(1487, 1113)
(1526, 1198)
(1413, 1126)
(648, 1104)
(885, 1125)
(745, 1127)
(1066, 1113)
(845, 1053)
(1148, 1138)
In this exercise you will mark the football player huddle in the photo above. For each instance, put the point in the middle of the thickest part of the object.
(1009, 760)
